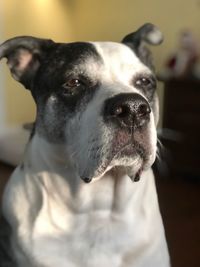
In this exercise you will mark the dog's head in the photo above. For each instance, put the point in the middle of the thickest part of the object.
(97, 99)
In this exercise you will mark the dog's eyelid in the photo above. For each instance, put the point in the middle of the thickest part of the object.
(144, 81)
(75, 84)
(72, 83)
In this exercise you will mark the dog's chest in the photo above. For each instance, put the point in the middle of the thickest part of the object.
(96, 234)
(90, 241)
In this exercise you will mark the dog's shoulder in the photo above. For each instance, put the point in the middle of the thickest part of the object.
(19, 194)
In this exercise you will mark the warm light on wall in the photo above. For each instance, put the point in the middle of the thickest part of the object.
(43, 2)
(68, 20)
(41, 18)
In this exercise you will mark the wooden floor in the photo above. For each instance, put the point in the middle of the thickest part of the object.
(180, 208)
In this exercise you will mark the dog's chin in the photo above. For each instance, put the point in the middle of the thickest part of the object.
(130, 160)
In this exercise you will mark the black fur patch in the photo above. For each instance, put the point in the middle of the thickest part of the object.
(66, 60)
(57, 65)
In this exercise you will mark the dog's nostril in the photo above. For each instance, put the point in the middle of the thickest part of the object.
(143, 110)
(86, 179)
(118, 111)
(121, 111)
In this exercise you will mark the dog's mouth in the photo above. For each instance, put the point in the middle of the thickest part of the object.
(125, 153)
(126, 145)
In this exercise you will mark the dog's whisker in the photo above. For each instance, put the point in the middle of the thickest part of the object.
(160, 144)
(158, 157)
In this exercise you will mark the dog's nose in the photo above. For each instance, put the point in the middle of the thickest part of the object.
(130, 110)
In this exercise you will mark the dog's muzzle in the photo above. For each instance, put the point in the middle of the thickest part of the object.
(127, 117)
(127, 111)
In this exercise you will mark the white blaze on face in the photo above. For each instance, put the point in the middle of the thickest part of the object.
(120, 64)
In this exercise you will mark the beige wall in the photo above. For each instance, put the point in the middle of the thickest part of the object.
(112, 19)
(42, 18)
(70, 20)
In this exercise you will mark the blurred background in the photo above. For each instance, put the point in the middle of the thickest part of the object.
(177, 66)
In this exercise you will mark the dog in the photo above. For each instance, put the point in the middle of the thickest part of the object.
(84, 195)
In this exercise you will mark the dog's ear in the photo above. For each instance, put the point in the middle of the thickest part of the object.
(147, 34)
(24, 55)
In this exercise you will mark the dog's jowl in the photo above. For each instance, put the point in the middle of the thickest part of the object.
(85, 196)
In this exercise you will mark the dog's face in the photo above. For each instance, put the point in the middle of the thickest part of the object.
(97, 99)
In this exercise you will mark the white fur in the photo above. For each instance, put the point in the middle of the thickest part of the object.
(58, 220)
(111, 222)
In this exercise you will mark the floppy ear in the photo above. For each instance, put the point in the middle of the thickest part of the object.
(147, 34)
(24, 55)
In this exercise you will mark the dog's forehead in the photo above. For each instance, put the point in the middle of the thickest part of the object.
(98, 60)
(119, 57)
(116, 52)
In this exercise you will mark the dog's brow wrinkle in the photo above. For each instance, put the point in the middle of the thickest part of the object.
(119, 60)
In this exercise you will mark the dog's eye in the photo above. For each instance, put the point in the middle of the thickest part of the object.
(70, 86)
(72, 83)
(147, 84)
(143, 82)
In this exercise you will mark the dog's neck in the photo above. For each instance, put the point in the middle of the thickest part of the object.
(45, 156)
(52, 165)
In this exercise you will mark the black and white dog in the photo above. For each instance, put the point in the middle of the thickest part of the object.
(74, 200)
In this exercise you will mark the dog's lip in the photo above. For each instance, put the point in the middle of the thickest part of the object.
(133, 170)
(136, 167)
(121, 140)
(108, 165)
(126, 150)
(123, 145)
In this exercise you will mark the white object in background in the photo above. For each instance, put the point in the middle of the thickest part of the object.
(2, 75)
(13, 140)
